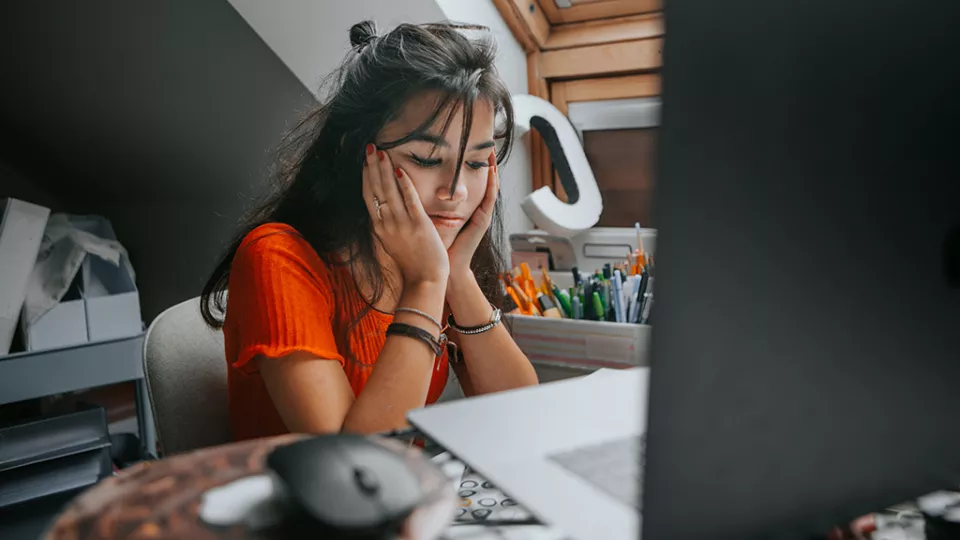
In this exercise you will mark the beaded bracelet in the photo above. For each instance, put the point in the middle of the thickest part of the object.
(408, 330)
(474, 330)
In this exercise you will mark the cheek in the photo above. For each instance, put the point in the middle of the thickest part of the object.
(425, 182)
(476, 182)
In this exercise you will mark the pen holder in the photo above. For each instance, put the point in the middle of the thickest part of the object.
(580, 345)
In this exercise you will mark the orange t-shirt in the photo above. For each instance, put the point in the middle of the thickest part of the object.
(283, 298)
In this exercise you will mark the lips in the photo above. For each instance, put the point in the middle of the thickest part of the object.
(447, 220)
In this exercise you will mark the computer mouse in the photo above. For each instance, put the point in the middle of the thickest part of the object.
(349, 486)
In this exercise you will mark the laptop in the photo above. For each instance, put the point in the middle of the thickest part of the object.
(567, 450)
(805, 360)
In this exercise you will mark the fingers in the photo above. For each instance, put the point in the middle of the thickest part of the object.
(493, 186)
(371, 184)
(411, 199)
(482, 216)
(388, 182)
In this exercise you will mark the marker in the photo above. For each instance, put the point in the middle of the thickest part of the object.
(598, 306)
(577, 280)
(577, 310)
(564, 300)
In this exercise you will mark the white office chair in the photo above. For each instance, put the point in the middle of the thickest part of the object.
(186, 374)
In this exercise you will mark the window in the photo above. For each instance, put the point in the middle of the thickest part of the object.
(619, 138)
(617, 120)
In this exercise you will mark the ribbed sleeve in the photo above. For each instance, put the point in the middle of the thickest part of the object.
(280, 299)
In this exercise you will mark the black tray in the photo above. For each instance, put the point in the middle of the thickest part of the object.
(52, 476)
(49, 438)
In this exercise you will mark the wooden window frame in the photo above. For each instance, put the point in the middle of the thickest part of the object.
(591, 48)
(587, 11)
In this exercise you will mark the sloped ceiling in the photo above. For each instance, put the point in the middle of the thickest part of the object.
(134, 100)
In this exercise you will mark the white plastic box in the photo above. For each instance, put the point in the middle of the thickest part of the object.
(104, 303)
(21, 231)
(580, 345)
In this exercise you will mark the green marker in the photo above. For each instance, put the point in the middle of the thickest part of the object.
(564, 300)
(598, 306)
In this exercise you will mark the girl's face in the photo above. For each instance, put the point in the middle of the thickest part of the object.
(431, 161)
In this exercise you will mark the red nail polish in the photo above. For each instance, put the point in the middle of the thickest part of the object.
(380, 154)
(399, 172)
(369, 149)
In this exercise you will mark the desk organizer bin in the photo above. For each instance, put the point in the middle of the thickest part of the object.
(582, 345)
(103, 302)
(53, 455)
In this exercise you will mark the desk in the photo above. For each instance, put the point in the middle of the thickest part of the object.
(161, 499)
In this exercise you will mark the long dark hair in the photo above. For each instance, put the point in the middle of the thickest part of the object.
(318, 176)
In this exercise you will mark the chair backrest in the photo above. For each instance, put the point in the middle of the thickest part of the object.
(186, 374)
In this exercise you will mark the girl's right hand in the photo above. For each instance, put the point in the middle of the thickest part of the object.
(400, 222)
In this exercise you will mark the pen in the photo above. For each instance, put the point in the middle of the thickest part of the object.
(635, 300)
(617, 296)
(605, 297)
(589, 312)
(598, 306)
(577, 280)
(549, 310)
(639, 241)
(516, 300)
(526, 301)
(577, 310)
(647, 306)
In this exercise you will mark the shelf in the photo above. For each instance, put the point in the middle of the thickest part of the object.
(37, 374)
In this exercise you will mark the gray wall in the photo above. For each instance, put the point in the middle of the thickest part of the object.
(159, 115)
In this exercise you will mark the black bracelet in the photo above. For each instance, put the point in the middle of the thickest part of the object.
(408, 330)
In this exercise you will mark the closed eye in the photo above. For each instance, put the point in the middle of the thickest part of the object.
(477, 165)
(427, 163)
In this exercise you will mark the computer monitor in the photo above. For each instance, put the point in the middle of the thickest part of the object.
(805, 362)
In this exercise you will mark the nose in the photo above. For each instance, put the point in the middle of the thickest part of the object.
(454, 193)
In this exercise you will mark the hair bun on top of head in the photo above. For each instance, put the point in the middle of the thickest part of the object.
(361, 34)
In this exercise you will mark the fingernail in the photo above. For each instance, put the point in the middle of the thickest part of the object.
(370, 149)
(399, 172)
(380, 154)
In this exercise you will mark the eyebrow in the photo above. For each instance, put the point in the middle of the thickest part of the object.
(441, 142)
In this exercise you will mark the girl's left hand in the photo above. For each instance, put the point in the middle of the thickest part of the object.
(463, 248)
